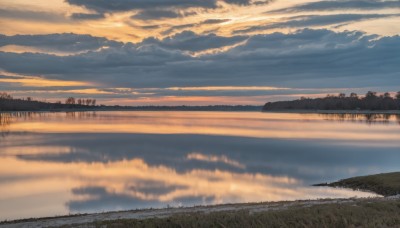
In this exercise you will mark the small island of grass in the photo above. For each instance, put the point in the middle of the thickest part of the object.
(387, 184)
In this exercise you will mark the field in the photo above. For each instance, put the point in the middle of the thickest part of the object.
(367, 213)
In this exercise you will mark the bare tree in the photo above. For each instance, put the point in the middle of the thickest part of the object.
(387, 95)
(5, 96)
(93, 102)
(88, 101)
(354, 95)
(370, 95)
(70, 100)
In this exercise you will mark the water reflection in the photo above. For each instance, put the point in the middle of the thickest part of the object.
(152, 159)
(367, 118)
(5, 121)
(261, 125)
(81, 115)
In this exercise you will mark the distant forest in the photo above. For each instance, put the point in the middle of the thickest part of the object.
(371, 101)
(8, 103)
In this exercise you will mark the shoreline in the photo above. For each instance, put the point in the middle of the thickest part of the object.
(386, 184)
(162, 213)
(134, 110)
(294, 111)
(361, 112)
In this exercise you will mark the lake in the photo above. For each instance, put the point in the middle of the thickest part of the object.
(78, 162)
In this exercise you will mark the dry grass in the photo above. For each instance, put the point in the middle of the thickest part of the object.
(374, 213)
(387, 184)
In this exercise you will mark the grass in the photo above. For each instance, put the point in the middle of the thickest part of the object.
(387, 184)
(364, 213)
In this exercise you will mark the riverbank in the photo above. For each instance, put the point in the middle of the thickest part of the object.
(358, 212)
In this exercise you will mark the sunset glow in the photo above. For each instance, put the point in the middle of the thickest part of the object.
(197, 52)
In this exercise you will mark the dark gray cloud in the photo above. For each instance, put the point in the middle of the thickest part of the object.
(238, 2)
(87, 16)
(175, 28)
(101, 200)
(305, 59)
(103, 6)
(126, 5)
(190, 41)
(59, 42)
(340, 5)
(248, 2)
(179, 27)
(32, 15)
(214, 21)
(155, 187)
(316, 20)
(152, 14)
(150, 27)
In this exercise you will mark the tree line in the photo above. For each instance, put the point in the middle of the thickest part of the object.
(9, 103)
(371, 101)
(87, 102)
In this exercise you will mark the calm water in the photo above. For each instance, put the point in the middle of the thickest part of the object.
(60, 163)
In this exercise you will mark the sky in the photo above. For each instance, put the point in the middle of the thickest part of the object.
(197, 52)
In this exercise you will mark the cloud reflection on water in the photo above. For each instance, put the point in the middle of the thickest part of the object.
(91, 171)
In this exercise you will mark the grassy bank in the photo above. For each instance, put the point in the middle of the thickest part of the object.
(370, 212)
(366, 213)
(386, 184)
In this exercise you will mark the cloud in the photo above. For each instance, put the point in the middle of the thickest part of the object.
(304, 59)
(315, 20)
(150, 27)
(190, 41)
(192, 25)
(102, 200)
(95, 147)
(179, 27)
(103, 6)
(67, 42)
(156, 14)
(87, 16)
(340, 5)
(30, 15)
(127, 5)
(214, 21)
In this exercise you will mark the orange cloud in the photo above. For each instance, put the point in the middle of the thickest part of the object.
(41, 82)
